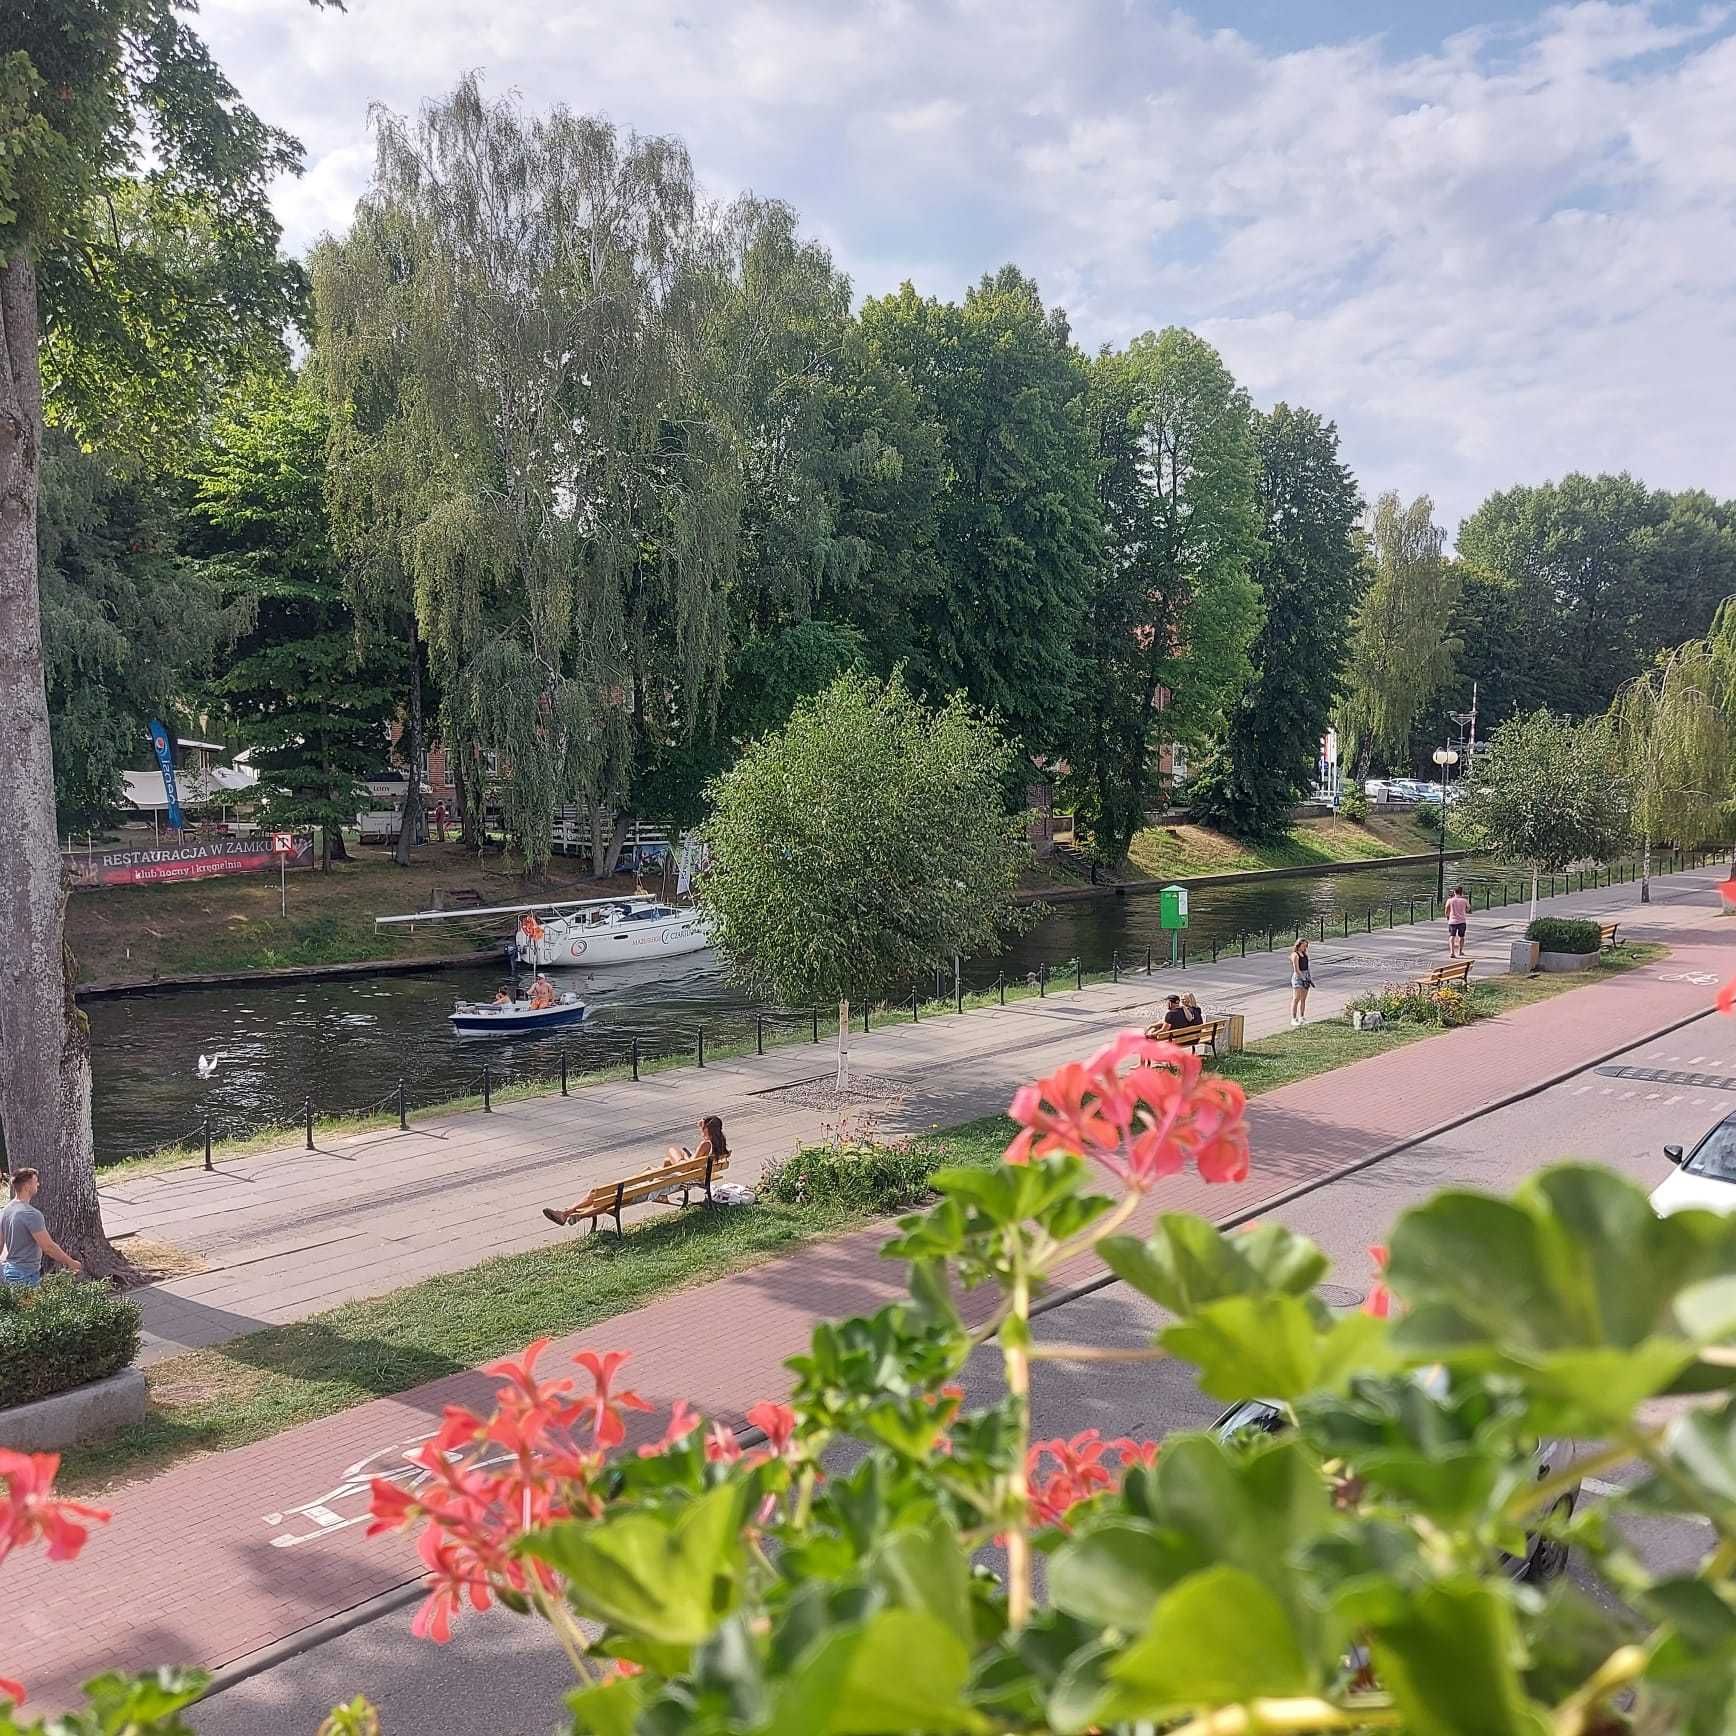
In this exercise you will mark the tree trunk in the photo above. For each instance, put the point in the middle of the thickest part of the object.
(410, 820)
(462, 795)
(44, 1039)
(843, 1045)
(1645, 870)
(1533, 891)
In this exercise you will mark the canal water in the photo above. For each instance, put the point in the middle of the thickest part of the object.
(347, 1043)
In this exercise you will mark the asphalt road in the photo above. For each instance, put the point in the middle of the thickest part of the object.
(501, 1676)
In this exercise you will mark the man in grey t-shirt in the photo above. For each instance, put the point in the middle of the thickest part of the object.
(24, 1236)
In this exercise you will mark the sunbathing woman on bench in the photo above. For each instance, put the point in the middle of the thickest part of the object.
(712, 1144)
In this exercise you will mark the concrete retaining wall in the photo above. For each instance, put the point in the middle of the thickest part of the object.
(49, 1423)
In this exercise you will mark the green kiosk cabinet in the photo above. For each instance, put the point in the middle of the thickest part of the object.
(1172, 914)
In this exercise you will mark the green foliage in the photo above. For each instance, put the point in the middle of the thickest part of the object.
(62, 1334)
(1404, 653)
(855, 1173)
(117, 1705)
(861, 845)
(1171, 607)
(1542, 792)
(1587, 579)
(1018, 525)
(298, 689)
(129, 625)
(1310, 576)
(1564, 934)
(1353, 805)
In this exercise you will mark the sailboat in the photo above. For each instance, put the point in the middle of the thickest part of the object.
(587, 933)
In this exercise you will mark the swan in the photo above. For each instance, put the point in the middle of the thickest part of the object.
(208, 1064)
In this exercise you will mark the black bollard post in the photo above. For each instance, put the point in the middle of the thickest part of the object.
(1346, 916)
(1411, 913)
(207, 1141)
(864, 1018)
(1001, 984)
(1115, 966)
(700, 1029)
(759, 1033)
(563, 1069)
(1368, 920)
(1214, 949)
(913, 1012)
(307, 1116)
(403, 1116)
(1323, 930)
(1148, 961)
(1268, 940)
(635, 1060)
(487, 1090)
(1079, 973)
(816, 1024)
(1242, 941)
(1043, 979)
(1184, 949)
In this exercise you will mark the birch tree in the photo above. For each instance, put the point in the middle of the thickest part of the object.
(1673, 746)
(116, 325)
(508, 337)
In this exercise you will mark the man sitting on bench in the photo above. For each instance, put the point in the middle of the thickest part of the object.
(1179, 1017)
(712, 1144)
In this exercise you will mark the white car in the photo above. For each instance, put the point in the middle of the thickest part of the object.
(1706, 1177)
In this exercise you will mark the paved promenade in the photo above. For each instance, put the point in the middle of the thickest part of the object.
(218, 1557)
(289, 1232)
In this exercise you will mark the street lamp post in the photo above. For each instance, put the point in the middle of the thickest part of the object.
(1444, 757)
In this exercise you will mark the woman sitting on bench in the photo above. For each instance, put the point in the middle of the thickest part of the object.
(712, 1144)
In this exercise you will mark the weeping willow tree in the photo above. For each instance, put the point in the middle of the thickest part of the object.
(509, 337)
(1674, 745)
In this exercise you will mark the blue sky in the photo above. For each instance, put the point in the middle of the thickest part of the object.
(1495, 242)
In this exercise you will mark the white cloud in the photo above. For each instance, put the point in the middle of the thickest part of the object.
(1504, 258)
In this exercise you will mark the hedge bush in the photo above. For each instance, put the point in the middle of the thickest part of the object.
(1564, 934)
(64, 1333)
(1353, 805)
(877, 1178)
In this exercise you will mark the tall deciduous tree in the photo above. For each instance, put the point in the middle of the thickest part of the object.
(88, 95)
(1310, 573)
(303, 688)
(1541, 792)
(1171, 605)
(546, 457)
(1403, 653)
(1017, 533)
(860, 846)
(1673, 749)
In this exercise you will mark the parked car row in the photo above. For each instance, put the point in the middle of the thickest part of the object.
(1407, 790)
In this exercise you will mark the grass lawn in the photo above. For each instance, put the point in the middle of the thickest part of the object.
(276, 1378)
(1181, 852)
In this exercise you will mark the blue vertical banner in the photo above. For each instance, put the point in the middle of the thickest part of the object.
(164, 749)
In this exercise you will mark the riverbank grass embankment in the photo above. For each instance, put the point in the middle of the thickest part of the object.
(1186, 852)
(273, 1379)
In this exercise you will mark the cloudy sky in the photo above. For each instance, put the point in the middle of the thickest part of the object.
(1495, 241)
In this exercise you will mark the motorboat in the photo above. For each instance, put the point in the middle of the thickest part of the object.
(515, 1017)
(599, 932)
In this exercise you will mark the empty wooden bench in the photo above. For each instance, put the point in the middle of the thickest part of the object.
(1444, 976)
(1190, 1036)
(1606, 935)
(610, 1198)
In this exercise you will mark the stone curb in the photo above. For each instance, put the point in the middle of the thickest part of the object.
(49, 1423)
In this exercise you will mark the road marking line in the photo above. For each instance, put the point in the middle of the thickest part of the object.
(1580, 1090)
(1669, 1100)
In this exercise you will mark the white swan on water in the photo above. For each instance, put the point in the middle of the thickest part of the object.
(208, 1064)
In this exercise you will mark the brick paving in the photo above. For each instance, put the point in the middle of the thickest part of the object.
(215, 1558)
(287, 1233)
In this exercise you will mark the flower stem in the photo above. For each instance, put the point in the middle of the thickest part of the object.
(1098, 1353)
(1288, 1718)
(1017, 1360)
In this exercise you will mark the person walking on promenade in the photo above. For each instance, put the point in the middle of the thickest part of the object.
(1301, 980)
(1458, 919)
(24, 1236)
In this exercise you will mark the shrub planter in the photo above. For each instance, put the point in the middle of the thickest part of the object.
(1522, 957)
(1566, 961)
(51, 1423)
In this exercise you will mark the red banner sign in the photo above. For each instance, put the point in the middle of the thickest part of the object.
(189, 861)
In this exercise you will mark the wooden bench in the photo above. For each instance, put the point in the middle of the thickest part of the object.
(610, 1198)
(1190, 1036)
(1443, 976)
(1606, 935)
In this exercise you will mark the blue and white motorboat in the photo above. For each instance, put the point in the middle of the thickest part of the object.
(515, 1017)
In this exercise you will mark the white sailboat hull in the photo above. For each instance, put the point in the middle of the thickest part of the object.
(577, 945)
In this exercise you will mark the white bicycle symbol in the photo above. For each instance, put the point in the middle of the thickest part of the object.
(1702, 977)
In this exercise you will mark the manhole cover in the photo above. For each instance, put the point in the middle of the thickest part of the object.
(1664, 1076)
(1336, 1296)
